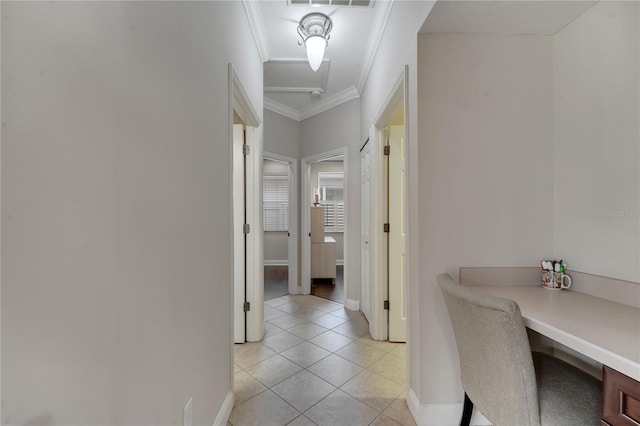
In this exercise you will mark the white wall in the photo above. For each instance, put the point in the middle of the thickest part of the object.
(398, 48)
(281, 134)
(329, 130)
(596, 142)
(116, 280)
(485, 178)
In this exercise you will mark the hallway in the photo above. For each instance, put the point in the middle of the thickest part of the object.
(318, 365)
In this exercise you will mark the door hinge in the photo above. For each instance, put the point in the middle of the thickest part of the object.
(386, 305)
(246, 228)
(247, 306)
(387, 149)
(288, 234)
(245, 150)
(386, 227)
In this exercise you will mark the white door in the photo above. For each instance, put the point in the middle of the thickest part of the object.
(366, 207)
(396, 200)
(239, 271)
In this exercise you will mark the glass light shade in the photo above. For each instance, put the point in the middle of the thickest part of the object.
(315, 50)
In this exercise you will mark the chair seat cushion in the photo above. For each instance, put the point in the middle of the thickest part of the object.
(567, 395)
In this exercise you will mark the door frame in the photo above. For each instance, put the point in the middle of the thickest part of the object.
(292, 240)
(365, 286)
(379, 326)
(305, 194)
(239, 102)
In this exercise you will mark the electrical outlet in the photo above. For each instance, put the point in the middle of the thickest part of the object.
(188, 413)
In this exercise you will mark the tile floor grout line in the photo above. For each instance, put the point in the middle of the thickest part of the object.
(358, 341)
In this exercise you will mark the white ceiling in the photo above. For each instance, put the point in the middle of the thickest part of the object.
(356, 34)
(544, 17)
(288, 79)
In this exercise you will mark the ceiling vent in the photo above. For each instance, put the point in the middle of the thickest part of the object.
(351, 3)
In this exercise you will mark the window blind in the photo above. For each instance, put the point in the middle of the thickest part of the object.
(331, 186)
(275, 203)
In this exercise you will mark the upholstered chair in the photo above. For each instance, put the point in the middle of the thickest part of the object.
(500, 375)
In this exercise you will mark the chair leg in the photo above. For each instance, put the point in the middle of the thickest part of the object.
(467, 410)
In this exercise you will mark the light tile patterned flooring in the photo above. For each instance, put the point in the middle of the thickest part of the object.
(317, 365)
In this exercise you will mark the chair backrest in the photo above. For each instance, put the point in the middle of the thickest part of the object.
(496, 365)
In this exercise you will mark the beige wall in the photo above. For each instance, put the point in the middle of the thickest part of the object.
(486, 189)
(116, 279)
(282, 136)
(597, 143)
(529, 145)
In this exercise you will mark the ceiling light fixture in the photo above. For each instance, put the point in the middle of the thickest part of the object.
(314, 30)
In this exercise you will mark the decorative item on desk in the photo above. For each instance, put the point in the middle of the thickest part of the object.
(316, 198)
(553, 276)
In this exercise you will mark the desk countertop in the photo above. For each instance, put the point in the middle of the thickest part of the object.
(605, 331)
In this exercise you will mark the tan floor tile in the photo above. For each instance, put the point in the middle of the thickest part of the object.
(307, 331)
(340, 409)
(247, 354)
(328, 320)
(245, 387)
(391, 367)
(383, 345)
(375, 391)
(362, 355)
(399, 411)
(347, 314)
(355, 330)
(399, 350)
(287, 307)
(305, 354)
(303, 390)
(383, 420)
(308, 314)
(335, 370)
(273, 370)
(301, 421)
(331, 341)
(265, 409)
(287, 321)
(272, 313)
(236, 368)
(280, 342)
(277, 301)
(270, 329)
(326, 306)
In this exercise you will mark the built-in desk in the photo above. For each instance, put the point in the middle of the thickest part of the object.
(605, 331)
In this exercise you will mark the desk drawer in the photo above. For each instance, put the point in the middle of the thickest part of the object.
(621, 399)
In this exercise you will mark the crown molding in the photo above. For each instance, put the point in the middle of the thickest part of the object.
(322, 106)
(281, 109)
(330, 102)
(373, 45)
(254, 15)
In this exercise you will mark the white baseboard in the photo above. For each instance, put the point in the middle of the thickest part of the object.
(441, 414)
(339, 262)
(354, 305)
(225, 410)
(275, 262)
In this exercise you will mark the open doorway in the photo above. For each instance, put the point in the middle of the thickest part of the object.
(383, 237)
(246, 217)
(327, 228)
(280, 223)
(323, 212)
